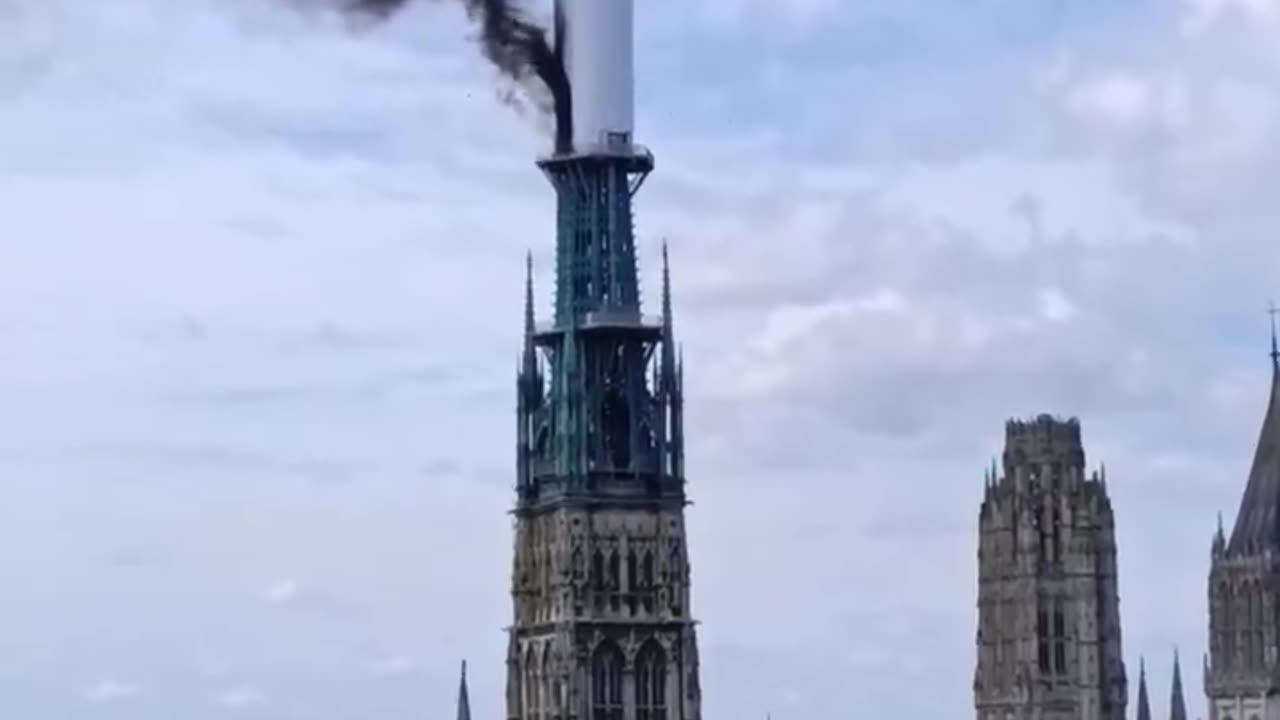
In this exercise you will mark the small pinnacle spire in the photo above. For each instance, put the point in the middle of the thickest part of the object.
(1275, 350)
(528, 293)
(668, 369)
(1144, 704)
(464, 703)
(668, 333)
(529, 358)
(666, 284)
(1177, 705)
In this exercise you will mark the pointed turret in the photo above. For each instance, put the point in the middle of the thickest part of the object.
(670, 376)
(677, 418)
(528, 305)
(668, 365)
(528, 386)
(1144, 705)
(464, 703)
(1257, 524)
(1219, 538)
(1177, 705)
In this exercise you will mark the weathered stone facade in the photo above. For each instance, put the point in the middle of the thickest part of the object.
(1242, 674)
(602, 617)
(1048, 603)
(600, 579)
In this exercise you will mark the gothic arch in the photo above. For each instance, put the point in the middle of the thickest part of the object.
(1226, 631)
(646, 580)
(1256, 624)
(551, 705)
(597, 569)
(615, 582)
(597, 579)
(651, 682)
(532, 686)
(1246, 627)
(633, 581)
(606, 682)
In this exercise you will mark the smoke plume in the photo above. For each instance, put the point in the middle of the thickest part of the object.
(517, 46)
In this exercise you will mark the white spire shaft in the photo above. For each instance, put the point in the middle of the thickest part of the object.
(599, 60)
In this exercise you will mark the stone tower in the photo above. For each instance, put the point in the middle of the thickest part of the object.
(1242, 675)
(1048, 603)
(600, 581)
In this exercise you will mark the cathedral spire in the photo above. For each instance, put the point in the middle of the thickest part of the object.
(529, 361)
(528, 292)
(1177, 705)
(1144, 705)
(668, 332)
(530, 356)
(1257, 525)
(612, 636)
(464, 703)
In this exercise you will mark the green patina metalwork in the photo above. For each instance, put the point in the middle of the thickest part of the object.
(599, 392)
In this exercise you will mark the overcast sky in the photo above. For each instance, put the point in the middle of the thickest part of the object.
(260, 300)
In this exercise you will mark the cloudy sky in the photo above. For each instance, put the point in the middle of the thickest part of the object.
(260, 283)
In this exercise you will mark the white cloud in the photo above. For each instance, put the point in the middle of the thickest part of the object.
(1118, 99)
(392, 665)
(282, 591)
(105, 691)
(241, 697)
(1202, 13)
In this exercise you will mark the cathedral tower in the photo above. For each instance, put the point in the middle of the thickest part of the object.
(1242, 677)
(1048, 603)
(600, 585)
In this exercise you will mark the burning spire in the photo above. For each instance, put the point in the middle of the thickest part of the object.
(516, 45)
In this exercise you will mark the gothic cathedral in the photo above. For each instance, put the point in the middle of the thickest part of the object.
(1242, 675)
(1048, 608)
(600, 583)
(1048, 604)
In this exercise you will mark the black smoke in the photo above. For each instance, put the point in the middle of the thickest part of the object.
(515, 44)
